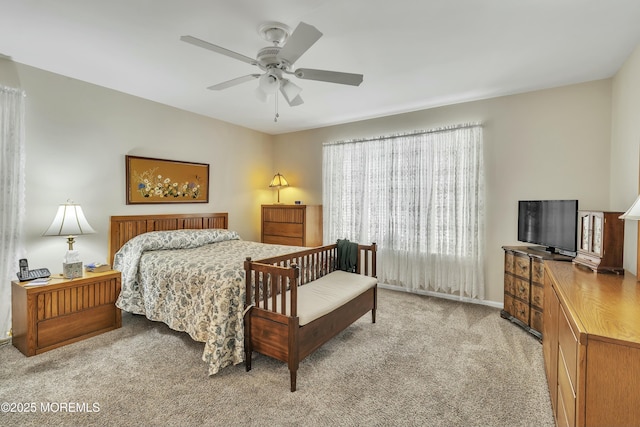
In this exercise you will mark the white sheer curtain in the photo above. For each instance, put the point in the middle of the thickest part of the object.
(12, 191)
(420, 196)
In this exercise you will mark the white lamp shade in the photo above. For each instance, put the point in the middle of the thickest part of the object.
(69, 220)
(290, 90)
(633, 213)
(260, 94)
(269, 83)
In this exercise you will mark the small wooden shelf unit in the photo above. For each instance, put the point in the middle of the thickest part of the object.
(64, 311)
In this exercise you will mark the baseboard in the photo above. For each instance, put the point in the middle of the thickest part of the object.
(493, 304)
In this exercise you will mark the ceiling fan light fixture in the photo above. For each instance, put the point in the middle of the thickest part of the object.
(277, 59)
(289, 89)
(269, 83)
(260, 94)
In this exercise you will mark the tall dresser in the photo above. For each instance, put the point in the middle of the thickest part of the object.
(295, 225)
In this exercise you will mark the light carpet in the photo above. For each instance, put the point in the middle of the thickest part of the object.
(425, 362)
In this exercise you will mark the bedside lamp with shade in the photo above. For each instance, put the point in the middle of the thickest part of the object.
(70, 221)
(278, 182)
(633, 214)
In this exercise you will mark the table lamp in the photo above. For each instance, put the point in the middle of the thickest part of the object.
(278, 182)
(70, 221)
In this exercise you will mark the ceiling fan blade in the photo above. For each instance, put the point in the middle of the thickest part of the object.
(234, 82)
(302, 38)
(215, 48)
(329, 76)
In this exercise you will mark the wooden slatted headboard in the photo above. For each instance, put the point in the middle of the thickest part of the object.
(124, 228)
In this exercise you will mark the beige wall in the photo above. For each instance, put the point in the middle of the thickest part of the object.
(546, 144)
(549, 144)
(625, 142)
(77, 136)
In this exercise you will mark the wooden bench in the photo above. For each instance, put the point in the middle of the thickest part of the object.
(297, 302)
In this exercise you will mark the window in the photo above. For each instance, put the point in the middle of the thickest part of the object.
(419, 196)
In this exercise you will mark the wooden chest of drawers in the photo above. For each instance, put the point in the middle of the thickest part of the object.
(295, 225)
(524, 286)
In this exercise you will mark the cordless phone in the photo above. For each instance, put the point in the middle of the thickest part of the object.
(25, 274)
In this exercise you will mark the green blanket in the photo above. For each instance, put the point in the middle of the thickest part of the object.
(347, 255)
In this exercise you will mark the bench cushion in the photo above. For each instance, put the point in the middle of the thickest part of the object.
(323, 295)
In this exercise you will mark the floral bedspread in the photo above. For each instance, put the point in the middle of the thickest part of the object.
(192, 280)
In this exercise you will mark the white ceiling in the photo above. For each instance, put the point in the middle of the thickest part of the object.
(414, 54)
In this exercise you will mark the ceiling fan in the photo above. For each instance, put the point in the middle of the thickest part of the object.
(277, 61)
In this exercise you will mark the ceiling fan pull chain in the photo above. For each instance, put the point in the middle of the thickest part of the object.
(275, 96)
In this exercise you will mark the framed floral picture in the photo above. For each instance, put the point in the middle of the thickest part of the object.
(152, 180)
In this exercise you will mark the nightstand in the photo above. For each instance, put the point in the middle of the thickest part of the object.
(64, 310)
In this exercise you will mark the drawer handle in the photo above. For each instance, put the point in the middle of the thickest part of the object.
(521, 288)
(522, 312)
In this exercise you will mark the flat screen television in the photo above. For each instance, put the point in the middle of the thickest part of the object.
(549, 223)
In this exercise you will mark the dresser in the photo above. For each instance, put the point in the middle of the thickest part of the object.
(295, 225)
(524, 286)
(591, 346)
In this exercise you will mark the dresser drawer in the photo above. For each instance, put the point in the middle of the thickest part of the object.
(282, 240)
(566, 395)
(522, 263)
(536, 319)
(521, 311)
(509, 263)
(283, 229)
(537, 271)
(537, 296)
(521, 288)
(508, 304)
(509, 286)
(283, 214)
(568, 346)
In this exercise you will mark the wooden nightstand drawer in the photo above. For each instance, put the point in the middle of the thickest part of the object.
(64, 311)
(60, 329)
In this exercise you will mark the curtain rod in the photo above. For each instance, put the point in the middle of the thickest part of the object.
(412, 133)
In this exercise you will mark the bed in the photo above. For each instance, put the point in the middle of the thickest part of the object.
(187, 271)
